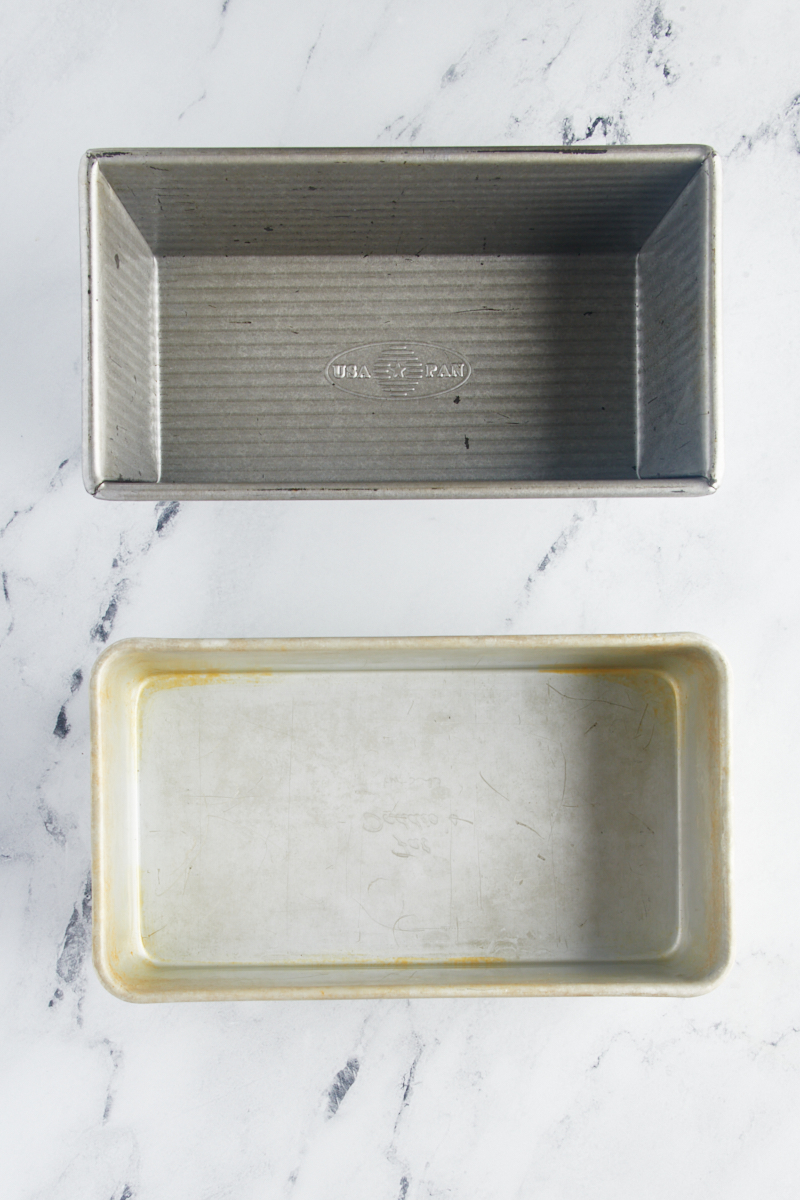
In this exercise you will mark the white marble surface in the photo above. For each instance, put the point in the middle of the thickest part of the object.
(527, 1098)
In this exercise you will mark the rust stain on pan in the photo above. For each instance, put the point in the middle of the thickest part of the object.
(676, 680)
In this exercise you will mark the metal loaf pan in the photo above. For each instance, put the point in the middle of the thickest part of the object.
(506, 816)
(400, 323)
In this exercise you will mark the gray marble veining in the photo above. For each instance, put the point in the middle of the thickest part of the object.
(397, 1100)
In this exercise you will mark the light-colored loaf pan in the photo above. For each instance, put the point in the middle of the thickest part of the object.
(509, 816)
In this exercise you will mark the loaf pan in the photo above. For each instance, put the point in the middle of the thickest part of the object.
(510, 816)
(400, 323)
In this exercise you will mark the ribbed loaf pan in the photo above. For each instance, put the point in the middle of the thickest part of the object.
(410, 817)
(310, 323)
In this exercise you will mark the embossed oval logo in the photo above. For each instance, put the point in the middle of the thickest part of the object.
(398, 369)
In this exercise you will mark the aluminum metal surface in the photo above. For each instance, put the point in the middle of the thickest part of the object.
(384, 323)
(410, 817)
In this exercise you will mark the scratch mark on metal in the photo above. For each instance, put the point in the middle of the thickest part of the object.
(381, 923)
(590, 699)
(524, 826)
(491, 785)
(639, 726)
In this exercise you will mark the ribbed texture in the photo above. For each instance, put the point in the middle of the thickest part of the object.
(244, 344)
(123, 307)
(674, 367)
(576, 287)
(491, 206)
